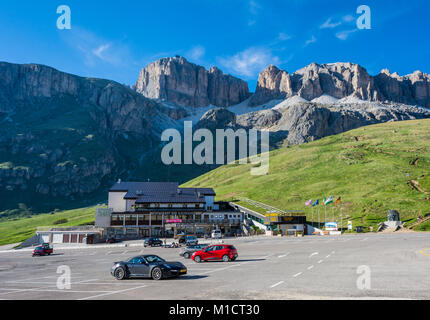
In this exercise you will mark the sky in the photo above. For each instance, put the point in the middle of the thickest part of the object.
(115, 39)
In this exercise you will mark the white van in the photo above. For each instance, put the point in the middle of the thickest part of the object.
(216, 234)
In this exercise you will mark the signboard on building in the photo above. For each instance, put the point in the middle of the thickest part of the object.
(331, 226)
(349, 225)
(174, 221)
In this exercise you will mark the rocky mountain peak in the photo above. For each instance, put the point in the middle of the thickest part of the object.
(180, 82)
(340, 80)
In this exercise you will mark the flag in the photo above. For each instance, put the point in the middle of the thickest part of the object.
(329, 200)
(309, 202)
(316, 203)
(338, 201)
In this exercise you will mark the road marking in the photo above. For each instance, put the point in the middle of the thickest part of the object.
(313, 254)
(297, 274)
(364, 239)
(424, 253)
(277, 284)
(113, 292)
(320, 261)
(328, 256)
(44, 287)
(310, 267)
(283, 255)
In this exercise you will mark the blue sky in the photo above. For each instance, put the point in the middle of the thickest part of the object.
(115, 39)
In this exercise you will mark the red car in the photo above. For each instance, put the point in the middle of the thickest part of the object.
(39, 251)
(224, 252)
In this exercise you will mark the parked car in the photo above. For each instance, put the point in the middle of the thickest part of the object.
(191, 240)
(152, 242)
(224, 252)
(48, 249)
(39, 251)
(188, 252)
(147, 266)
(216, 234)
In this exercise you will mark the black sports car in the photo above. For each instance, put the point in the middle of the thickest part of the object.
(147, 266)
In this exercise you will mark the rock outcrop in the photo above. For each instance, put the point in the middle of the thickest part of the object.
(304, 121)
(180, 82)
(341, 80)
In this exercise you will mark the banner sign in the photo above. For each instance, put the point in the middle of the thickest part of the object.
(349, 225)
(174, 221)
(331, 226)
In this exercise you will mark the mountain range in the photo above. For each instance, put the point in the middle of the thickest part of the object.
(64, 139)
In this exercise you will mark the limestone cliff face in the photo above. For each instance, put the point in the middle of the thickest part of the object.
(60, 133)
(340, 80)
(180, 82)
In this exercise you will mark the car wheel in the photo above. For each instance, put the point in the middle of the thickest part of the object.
(157, 274)
(197, 259)
(225, 258)
(120, 273)
(186, 255)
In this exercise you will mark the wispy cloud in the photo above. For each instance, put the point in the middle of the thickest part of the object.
(196, 53)
(96, 50)
(343, 35)
(250, 62)
(329, 24)
(310, 41)
(253, 8)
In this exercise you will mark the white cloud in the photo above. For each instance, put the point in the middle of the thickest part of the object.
(343, 35)
(312, 40)
(98, 52)
(283, 37)
(330, 25)
(95, 50)
(250, 62)
(348, 18)
(197, 53)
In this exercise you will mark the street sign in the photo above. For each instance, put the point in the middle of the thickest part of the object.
(331, 226)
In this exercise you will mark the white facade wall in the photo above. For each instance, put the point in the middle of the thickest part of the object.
(117, 202)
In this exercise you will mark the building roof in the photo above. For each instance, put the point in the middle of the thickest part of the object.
(204, 191)
(167, 192)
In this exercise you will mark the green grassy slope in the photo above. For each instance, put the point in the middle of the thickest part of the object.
(370, 167)
(14, 231)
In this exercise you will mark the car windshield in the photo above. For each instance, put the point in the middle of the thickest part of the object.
(39, 248)
(154, 259)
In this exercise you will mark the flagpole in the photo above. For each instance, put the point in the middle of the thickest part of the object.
(312, 216)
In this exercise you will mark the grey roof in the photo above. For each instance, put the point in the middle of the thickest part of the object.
(164, 192)
(204, 191)
(135, 189)
(180, 195)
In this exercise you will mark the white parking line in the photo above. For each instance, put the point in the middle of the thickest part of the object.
(44, 287)
(310, 267)
(283, 255)
(320, 261)
(297, 274)
(313, 254)
(112, 292)
(328, 256)
(277, 284)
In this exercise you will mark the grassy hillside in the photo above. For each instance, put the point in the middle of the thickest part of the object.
(373, 169)
(14, 231)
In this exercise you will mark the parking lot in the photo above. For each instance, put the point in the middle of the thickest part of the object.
(267, 268)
